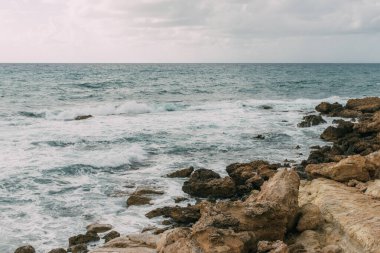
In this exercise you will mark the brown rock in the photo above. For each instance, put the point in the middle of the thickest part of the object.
(98, 228)
(327, 108)
(333, 133)
(182, 173)
(142, 197)
(180, 199)
(311, 120)
(272, 247)
(81, 239)
(111, 235)
(373, 189)
(82, 117)
(369, 104)
(332, 249)
(370, 125)
(310, 218)
(59, 250)
(208, 184)
(80, 248)
(25, 249)
(182, 215)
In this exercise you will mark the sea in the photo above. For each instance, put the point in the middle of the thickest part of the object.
(58, 174)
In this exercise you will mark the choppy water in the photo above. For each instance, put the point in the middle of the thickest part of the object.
(57, 175)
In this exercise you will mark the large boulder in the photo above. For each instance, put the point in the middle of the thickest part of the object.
(206, 183)
(311, 120)
(366, 105)
(370, 125)
(25, 249)
(332, 133)
(328, 108)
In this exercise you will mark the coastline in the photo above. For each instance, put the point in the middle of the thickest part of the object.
(264, 207)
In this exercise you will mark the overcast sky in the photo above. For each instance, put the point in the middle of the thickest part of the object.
(189, 31)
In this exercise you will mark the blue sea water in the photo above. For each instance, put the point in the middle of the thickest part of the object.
(58, 174)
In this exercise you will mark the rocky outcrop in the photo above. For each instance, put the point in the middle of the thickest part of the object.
(83, 238)
(181, 173)
(361, 168)
(98, 228)
(351, 219)
(206, 183)
(25, 249)
(365, 105)
(180, 215)
(311, 120)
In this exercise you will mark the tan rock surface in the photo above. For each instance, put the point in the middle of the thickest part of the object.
(352, 219)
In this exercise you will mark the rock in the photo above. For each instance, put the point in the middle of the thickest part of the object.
(310, 218)
(59, 250)
(332, 249)
(373, 189)
(209, 240)
(98, 228)
(272, 247)
(208, 184)
(334, 133)
(82, 117)
(310, 241)
(80, 248)
(368, 104)
(327, 108)
(182, 173)
(81, 239)
(142, 197)
(133, 243)
(352, 219)
(25, 249)
(180, 199)
(182, 215)
(260, 137)
(266, 107)
(311, 120)
(111, 235)
(370, 125)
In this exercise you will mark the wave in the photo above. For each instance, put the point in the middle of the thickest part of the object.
(126, 108)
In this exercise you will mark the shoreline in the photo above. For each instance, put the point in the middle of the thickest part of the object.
(292, 204)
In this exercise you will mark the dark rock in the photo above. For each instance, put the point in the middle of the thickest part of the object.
(266, 107)
(25, 249)
(260, 137)
(180, 199)
(327, 108)
(142, 197)
(333, 133)
(59, 250)
(111, 235)
(80, 248)
(82, 117)
(83, 238)
(182, 173)
(181, 215)
(212, 188)
(311, 120)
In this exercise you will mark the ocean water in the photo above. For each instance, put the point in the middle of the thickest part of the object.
(57, 174)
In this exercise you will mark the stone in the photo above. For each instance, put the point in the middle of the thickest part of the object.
(310, 241)
(332, 249)
(181, 173)
(25, 249)
(333, 133)
(373, 189)
(83, 238)
(111, 235)
(310, 218)
(351, 219)
(142, 196)
(98, 228)
(80, 248)
(58, 250)
(370, 125)
(367, 105)
(82, 117)
(327, 108)
(311, 120)
(180, 199)
(208, 184)
(133, 243)
(182, 215)
(272, 247)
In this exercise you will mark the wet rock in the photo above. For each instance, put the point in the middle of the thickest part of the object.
(180, 199)
(83, 238)
(260, 137)
(98, 228)
(327, 108)
(366, 105)
(82, 117)
(208, 184)
(333, 133)
(272, 247)
(25, 249)
(59, 250)
(266, 107)
(182, 215)
(111, 235)
(182, 173)
(311, 120)
(80, 248)
(142, 197)
(310, 218)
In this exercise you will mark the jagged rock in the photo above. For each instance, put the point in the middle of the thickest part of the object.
(208, 184)
(83, 238)
(359, 185)
(311, 120)
(368, 104)
(82, 117)
(98, 228)
(310, 218)
(370, 125)
(351, 219)
(111, 235)
(142, 197)
(182, 215)
(272, 247)
(333, 133)
(182, 173)
(59, 250)
(25, 249)
(79, 248)
(327, 108)
(209, 240)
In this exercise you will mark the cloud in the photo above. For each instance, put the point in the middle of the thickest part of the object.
(198, 30)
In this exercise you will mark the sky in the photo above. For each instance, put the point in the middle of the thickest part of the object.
(190, 31)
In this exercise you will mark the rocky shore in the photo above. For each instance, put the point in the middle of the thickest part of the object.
(330, 203)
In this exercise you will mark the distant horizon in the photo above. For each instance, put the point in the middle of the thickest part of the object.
(348, 63)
